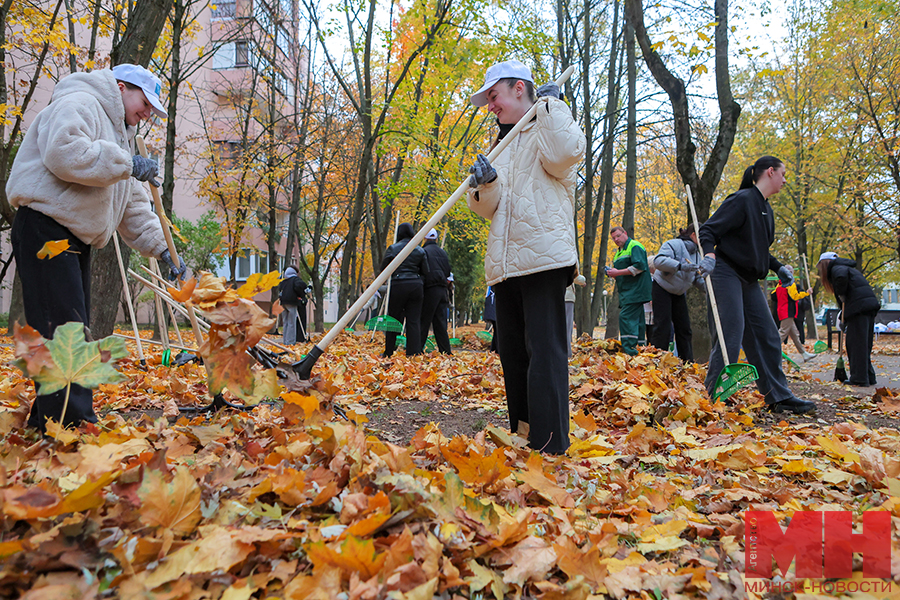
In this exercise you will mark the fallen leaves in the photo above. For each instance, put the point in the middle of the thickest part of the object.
(284, 501)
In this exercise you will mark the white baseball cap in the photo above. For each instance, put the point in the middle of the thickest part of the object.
(828, 256)
(144, 79)
(509, 69)
(431, 235)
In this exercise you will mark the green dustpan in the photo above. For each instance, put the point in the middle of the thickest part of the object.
(732, 378)
(819, 347)
(455, 342)
(790, 360)
(429, 343)
(487, 336)
(384, 323)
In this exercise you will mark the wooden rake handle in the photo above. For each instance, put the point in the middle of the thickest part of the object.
(170, 243)
(157, 202)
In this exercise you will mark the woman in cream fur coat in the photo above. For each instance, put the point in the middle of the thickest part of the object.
(75, 177)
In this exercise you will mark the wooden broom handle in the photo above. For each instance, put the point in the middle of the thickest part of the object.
(157, 202)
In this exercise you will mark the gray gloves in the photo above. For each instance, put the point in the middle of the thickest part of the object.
(688, 266)
(707, 265)
(144, 169)
(549, 89)
(785, 275)
(174, 272)
(482, 172)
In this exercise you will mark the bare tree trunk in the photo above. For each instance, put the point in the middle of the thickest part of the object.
(685, 150)
(631, 143)
(606, 174)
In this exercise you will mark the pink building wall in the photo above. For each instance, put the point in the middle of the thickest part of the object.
(201, 108)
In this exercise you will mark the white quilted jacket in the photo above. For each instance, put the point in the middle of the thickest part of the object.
(531, 204)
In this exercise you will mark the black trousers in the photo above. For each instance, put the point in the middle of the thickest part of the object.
(858, 340)
(531, 335)
(301, 316)
(801, 328)
(406, 303)
(434, 315)
(671, 310)
(55, 291)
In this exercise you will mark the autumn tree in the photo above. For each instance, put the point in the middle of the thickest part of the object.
(372, 93)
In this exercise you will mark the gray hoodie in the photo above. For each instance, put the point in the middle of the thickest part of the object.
(672, 253)
(74, 165)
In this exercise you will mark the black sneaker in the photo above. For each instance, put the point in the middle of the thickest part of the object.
(794, 405)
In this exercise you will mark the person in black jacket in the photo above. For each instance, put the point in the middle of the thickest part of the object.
(735, 242)
(292, 294)
(858, 309)
(803, 307)
(406, 292)
(436, 302)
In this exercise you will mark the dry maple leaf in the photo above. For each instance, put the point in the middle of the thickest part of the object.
(31, 349)
(258, 283)
(185, 293)
(174, 505)
(53, 249)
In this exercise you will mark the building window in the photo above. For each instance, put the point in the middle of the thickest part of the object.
(242, 54)
(224, 9)
(224, 56)
(242, 270)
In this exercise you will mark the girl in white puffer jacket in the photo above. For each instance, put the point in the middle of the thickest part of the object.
(528, 194)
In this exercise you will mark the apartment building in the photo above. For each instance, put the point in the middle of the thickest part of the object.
(238, 101)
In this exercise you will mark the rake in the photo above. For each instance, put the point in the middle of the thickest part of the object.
(733, 376)
(303, 369)
(790, 360)
(384, 323)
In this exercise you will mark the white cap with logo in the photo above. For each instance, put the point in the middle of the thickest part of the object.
(828, 256)
(431, 235)
(505, 70)
(144, 79)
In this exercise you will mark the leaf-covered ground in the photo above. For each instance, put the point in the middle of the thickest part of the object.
(287, 501)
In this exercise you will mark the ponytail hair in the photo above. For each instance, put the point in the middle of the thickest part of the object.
(752, 173)
(685, 234)
(822, 268)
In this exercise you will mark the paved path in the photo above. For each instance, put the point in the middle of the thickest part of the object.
(887, 369)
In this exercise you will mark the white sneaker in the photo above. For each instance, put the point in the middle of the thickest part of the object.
(808, 356)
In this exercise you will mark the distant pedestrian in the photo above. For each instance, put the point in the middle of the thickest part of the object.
(490, 316)
(859, 305)
(786, 308)
(570, 309)
(676, 270)
(292, 295)
(407, 292)
(436, 303)
(735, 241)
(632, 274)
